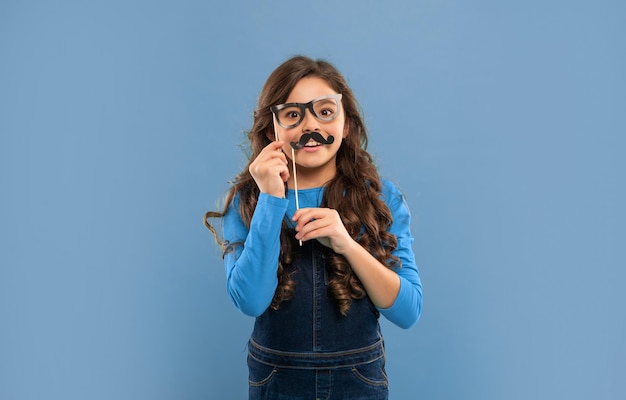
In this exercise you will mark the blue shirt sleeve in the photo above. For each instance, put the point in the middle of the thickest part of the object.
(252, 265)
(407, 307)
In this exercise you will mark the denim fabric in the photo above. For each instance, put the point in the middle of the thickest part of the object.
(355, 374)
(307, 350)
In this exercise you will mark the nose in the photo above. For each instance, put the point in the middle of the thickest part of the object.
(309, 122)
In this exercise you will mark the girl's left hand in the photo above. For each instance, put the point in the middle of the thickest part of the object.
(325, 225)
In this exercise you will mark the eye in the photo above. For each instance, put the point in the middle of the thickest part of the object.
(326, 109)
(289, 114)
(327, 112)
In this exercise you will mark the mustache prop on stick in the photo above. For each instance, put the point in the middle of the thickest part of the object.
(316, 136)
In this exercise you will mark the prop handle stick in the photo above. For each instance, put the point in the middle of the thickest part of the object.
(293, 164)
(275, 130)
(295, 180)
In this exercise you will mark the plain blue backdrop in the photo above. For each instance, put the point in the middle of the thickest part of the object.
(120, 125)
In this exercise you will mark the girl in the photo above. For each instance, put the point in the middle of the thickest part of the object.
(316, 245)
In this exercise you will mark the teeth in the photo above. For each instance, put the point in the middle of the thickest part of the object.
(312, 144)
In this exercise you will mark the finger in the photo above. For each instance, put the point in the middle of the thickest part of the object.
(323, 228)
(284, 174)
(277, 167)
(304, 217)
(313, 229)
(273, 150)
(264, 162)
(276, 145)
(274, 166)
(307, 214)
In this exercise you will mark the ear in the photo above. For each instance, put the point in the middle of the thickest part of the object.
(269, 133)
(272, 132)
(346, 127)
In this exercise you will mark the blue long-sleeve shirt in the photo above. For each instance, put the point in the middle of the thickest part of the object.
(251, 269)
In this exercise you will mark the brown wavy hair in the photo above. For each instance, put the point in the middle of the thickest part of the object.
(355, 191)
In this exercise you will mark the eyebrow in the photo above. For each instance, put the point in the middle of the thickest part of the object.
(324, 97)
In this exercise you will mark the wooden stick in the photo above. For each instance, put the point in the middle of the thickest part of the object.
(295, 180)
(293, 165)
(275, 130)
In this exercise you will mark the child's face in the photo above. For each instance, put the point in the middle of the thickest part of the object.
(319, 159)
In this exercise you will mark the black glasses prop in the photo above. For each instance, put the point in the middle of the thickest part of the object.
(325, 108)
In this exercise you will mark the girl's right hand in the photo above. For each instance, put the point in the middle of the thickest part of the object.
(270, 170)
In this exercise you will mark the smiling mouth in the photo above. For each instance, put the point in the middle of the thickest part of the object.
(310, 144)
(312, 139)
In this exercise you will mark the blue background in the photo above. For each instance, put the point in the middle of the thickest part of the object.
(502, 121)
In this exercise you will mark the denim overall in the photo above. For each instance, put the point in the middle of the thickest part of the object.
(307, 350)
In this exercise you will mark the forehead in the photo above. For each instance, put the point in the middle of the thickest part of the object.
(309, 88)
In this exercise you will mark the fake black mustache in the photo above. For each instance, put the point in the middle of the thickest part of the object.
(304, 139)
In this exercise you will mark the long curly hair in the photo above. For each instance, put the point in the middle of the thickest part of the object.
(355, 191)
